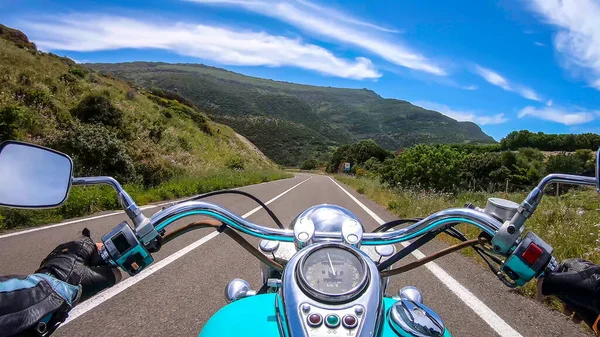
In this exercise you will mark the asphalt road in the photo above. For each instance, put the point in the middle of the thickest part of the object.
(179, 294)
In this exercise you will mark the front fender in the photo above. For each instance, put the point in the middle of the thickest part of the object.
(256, 316)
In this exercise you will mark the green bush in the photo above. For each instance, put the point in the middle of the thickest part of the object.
(309, 164)
(549, 142)
(96, 150)
(357, 154)
(36, 97)
(235, 163)
(79, 72)
(428, 167)
(98, 108)
(10, 118)
(565, 163)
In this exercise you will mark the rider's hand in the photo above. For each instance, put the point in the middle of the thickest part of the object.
(577, 284)
(79, 263)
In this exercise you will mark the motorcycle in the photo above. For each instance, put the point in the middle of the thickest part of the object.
(324, 275)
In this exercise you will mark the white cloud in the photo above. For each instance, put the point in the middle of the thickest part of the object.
(539, 44)
(337, 27)
(498, 80)
(549, 103)
(94, 32)
(558, 115)
(578, 36)
(470, 87)
(345, 18)
(462, 115)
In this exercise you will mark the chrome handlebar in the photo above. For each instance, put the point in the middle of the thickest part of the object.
(485, 222)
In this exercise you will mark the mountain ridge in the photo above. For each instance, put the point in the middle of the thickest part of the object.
(291, 122)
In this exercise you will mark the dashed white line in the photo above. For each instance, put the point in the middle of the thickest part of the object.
(120, 287)
(490, 317)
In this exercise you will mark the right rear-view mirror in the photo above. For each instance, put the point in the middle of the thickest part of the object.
(32, 176)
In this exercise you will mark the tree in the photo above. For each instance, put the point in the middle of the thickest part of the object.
(424, 166)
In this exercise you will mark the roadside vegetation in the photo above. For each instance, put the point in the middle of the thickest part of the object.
(570, 223)
(155, 142)
(424, 179)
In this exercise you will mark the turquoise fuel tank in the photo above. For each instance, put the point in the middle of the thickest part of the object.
(255, 316)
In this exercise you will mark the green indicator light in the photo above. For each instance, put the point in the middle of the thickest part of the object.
(333, 320)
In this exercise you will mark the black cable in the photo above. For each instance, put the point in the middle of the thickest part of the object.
(266, 208)
(394, 223)
(407, 250)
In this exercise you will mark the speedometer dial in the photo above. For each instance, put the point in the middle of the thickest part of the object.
(333, 273)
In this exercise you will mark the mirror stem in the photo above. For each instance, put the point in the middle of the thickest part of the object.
(130, 207)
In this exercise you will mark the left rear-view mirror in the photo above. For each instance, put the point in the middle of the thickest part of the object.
(32, 176)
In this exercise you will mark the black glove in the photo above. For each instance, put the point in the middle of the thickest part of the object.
(577, 284)
(79, 263)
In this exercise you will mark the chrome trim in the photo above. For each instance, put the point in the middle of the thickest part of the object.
(268, 246)
(410, 293)
(507, 235)
(237, 289)
(370, 302)
(304, 232)
(333, 298)
(486, 222)
(406, 316)
(130, 207)
(352, 232)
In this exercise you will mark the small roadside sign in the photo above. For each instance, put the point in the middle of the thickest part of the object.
(347, 167)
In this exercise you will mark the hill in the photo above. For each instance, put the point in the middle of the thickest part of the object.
(154, 142)
(290, 122)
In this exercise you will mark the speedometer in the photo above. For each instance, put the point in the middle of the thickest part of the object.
(333, 273)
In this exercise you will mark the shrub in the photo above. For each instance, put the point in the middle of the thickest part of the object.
(235, 163)
(309, 164)
(96, 151)
(130, 94)
(357, 154)
(67, 78)
(564, 163)
(79, 72)
(98, 108)
(154, 170)
(37, 97)
(425, 166)
(361, 172)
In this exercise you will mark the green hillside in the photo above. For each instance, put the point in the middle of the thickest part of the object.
(159, 146)
(288, 121)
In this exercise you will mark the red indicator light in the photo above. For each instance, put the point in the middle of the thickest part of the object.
(315, 320)
(532, 253)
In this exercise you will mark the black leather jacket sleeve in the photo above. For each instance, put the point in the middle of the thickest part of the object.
(34, 305)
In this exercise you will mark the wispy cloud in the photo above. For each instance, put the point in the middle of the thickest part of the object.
(498, 80)
(539, 44)
(463, 115)
(578, 36)
(558, 115)
(469, 87)
(346, 18)
(338, 27)
(93, 32)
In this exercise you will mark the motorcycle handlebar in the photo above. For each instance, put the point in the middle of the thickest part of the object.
(435, 221)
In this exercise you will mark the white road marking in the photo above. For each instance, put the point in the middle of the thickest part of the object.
(482, 310)
(120, 287)
(143, 208)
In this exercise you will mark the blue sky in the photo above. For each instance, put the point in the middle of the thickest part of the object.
(504, 64)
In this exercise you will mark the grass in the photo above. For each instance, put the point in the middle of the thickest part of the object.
(87, 200)
(569, 223)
